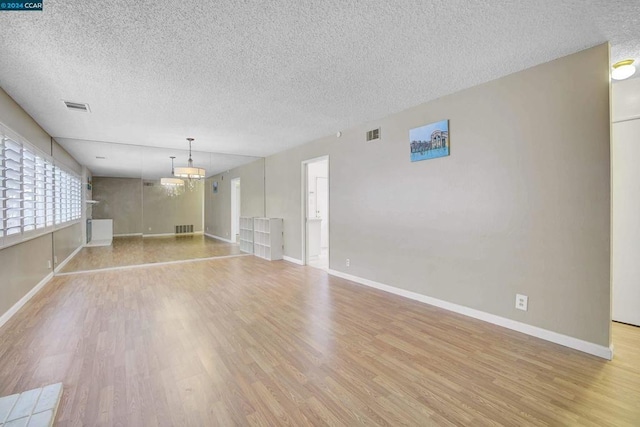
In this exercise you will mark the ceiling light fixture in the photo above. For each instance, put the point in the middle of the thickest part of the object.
(190, 172)
(623, 69)
(173, 185)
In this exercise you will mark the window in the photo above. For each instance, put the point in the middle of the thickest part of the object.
(36, 195)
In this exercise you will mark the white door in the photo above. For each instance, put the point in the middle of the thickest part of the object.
(322, 209)
(316, 212)
(626, 222)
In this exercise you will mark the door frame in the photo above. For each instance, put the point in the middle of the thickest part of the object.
(303, 196)
(234, 211)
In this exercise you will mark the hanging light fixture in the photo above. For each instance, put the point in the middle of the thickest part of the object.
(623, 69)
(173, 185)
(190, 172)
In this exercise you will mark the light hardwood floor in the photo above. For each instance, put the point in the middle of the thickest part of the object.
(242, 341)
(126, 251)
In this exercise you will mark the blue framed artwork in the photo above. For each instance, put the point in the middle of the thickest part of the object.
(429, 141)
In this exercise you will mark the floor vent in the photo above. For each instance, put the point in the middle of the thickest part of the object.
(184, 229)
(373, 135)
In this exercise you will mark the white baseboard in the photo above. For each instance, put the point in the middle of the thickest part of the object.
(565, 340)
(67, 259)
(219, 238)
(17, 306)
(128, 235)
(153, 264)
(293, 260)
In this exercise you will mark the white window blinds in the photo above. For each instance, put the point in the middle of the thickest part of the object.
(36, 195)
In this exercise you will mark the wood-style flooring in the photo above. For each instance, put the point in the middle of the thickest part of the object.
(127, 251)
(242, 341)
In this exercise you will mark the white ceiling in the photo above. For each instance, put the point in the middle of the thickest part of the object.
(257, 77)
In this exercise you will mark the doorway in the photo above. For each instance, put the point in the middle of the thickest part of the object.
(316, 212)
(235, 210)
(626, 221)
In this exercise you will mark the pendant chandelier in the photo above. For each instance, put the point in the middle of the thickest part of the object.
(173, 185)
(190, 172)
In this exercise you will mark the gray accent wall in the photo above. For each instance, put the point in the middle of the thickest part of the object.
(522, 204)
(217, 219)
(162, 213)
(120, 199)
(145, 209)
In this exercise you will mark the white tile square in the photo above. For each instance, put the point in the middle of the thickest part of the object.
(42, 419)
(48, 398)
(25, 404)
(6, 404)
(20, 422)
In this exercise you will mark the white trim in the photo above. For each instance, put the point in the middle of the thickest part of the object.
(170, 234)
(153, 264)
(567, 341)
(293, 260)
(99, 243)
(17, 306)
(127, 235)
(219, 238)
(303, 197)
(234, 201)
(67, 259)
(627, 119)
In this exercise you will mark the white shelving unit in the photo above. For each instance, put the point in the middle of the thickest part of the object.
(267, 238)
(246, 234)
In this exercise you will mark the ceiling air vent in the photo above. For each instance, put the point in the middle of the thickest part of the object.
(76, 106)
(149, 184)
(373, 135)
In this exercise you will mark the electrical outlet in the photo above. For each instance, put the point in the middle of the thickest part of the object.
(55, 260)
(522, 301)
(149, 228)
(49, 264)
(348, 262)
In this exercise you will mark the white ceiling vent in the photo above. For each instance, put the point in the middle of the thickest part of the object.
(373, 135)
(77, 106)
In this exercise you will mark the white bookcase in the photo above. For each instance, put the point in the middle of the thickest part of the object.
(267, 238)
(246, 234)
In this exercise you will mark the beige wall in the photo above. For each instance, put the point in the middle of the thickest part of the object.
(520, 206)
(218, 206)
(12, 115)
(65, 241)
(24, 265)
(62, 156)
(121, 200)
(162, 213)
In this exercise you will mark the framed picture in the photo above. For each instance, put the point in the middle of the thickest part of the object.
(429, 141)
(215, 186)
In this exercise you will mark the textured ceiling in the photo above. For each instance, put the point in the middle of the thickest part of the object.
(255, 77)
